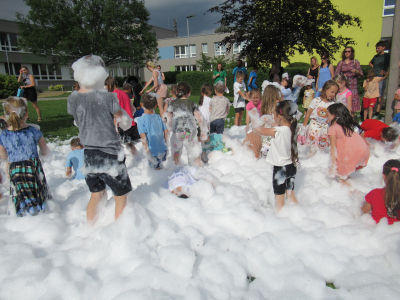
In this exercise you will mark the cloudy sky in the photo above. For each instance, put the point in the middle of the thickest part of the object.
(160, 12)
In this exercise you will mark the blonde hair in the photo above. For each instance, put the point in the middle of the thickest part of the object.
(268, 99)
(316, 62)
(15, 109)
(326, 87)
(150, 64)
(341, 78)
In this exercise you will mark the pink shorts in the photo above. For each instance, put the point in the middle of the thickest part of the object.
(162, 90)
(368, 102)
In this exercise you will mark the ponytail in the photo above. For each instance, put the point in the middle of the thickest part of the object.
(205, 91)
(111, 84)
(14, 121)
(294, 153)
(392, 189)
(15, 109)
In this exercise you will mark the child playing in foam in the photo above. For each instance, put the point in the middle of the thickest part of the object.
(261, 144)
(308, 95)
(219, 109)
(349, 152)
(182, 116)
(283, 152)
(153, 132)
(239, 90)
(292, 94)
(317, 133)
(180, 181)
(131, 136)
(94, 110)
(344, 95)
(204, 102)
(385, 202)
(255, 96)
(75, 159)
(18, 143)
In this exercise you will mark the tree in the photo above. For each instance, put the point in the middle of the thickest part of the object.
(220, 29)
(65, 30)
(274, 29)
(204, 63)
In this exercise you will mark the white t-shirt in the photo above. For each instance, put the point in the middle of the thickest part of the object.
(182, 176)
(320, 111)
(238, 101)
(279, 153)
(205, 108)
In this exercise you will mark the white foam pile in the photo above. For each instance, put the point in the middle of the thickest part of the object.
(210, 246)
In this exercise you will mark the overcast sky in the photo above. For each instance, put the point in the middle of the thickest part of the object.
(160, 12)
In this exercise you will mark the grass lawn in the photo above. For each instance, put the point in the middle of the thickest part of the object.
(58, 124)
(65, 95)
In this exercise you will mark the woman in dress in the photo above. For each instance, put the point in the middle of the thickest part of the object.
(219, 75)
(313, 71)
(29, 86)
(158, 86)
(351, 68)
(325, 73)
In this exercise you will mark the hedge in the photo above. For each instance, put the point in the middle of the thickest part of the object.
(8, 86)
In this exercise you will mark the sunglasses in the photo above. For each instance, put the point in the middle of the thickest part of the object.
(323, 58)
(347, 51)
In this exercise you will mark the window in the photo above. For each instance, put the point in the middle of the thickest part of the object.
(388, 8)
(238, 48)
(14, 68)
(219, 49)
(8, 41)
(185, 68)
(204, 48)
(183, 51)
(48, 72)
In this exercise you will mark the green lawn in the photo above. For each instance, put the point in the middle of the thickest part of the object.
(58, 124)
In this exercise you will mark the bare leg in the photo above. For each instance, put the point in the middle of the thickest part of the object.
(240, 118)
(366, 113)
(279, 202)
(95, 198)
(177, 158)
(290, 194)
(132, 148)
(370, 111)
(236, 119)
(36, 107)
(160, 103)
(120, 202)
(378, 108)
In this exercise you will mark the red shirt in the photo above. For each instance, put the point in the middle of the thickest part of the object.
(125, 103)
(377, 201)
(373, 128)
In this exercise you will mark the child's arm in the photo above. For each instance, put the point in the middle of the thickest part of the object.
(264, 131)
(69, 172)
(247, 117)
(243, 95)
(44, 150)
(350, 102)
(365, 86)
(307, 117)
(144, 141)
(3, 153)
(332, 169)
(366, 208)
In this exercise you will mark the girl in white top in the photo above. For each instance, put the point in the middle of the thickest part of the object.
(204, 102)
(283, 151)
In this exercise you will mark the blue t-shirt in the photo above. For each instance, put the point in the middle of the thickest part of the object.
(21, 144)
(75, 160)
(153, 127)
(138, 113)
(237, 69)
(397, 118)
(253, 82)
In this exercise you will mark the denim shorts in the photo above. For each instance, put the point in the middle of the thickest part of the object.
(217, 126)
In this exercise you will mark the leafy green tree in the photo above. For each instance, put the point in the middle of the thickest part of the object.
(116, 30)
(228, 64)
(204, 63)
(273, 30)
(8, 86)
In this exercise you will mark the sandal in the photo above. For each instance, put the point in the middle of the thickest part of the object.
(39, 119)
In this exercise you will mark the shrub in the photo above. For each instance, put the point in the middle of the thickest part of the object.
(58, 87)
(298, 65)
(170, 77)
(8, 86)
(120, 80)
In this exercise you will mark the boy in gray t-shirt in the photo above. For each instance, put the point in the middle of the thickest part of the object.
(219, 109)
(94, 111)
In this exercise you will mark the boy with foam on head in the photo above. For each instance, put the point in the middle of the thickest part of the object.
(239, 89)
(94, 110)
(75, 159)
(153, 133)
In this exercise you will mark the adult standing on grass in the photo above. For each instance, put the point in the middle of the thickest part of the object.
(29, 86)
(158, 86)
(313, 72)
(325, 73)
(350, 67)
(239, 68)
(220, 75)
(252, 79)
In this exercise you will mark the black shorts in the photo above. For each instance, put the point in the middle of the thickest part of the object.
(129, 136)
(283, 178)
(239, 109)
(30, 94)
(97, 163)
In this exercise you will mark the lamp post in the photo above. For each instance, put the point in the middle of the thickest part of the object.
(187, 19)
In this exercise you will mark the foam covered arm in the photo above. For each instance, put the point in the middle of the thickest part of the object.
(256, 121)
(123, 119)
(44, 150)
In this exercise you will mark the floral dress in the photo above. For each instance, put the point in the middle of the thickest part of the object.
(345, 69)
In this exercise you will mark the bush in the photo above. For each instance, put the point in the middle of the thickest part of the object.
(120, 80)
(58, 87)
(170, 77)
(298, 65)
(8, 86)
